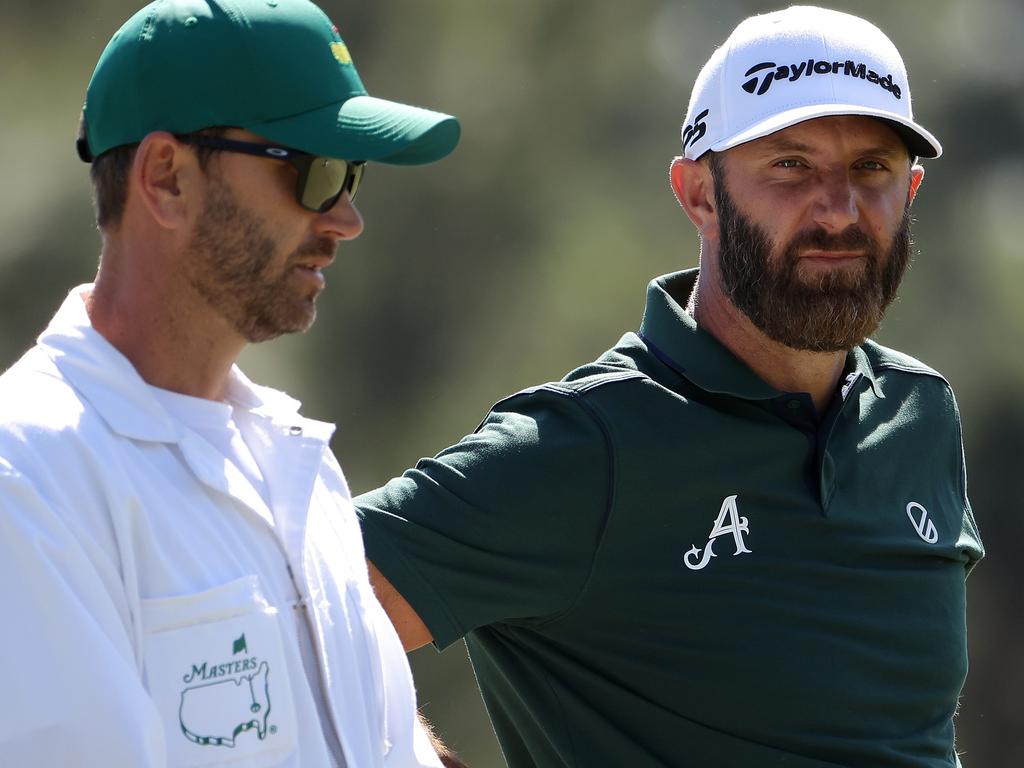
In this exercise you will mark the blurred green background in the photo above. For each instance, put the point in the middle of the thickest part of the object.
(528, 251)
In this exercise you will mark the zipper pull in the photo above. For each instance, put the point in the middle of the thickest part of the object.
(300, 602)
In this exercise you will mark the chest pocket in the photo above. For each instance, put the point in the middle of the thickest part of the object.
(215, 668)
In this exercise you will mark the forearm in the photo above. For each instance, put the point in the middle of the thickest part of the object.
(410, 628)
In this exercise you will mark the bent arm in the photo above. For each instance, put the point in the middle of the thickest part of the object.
(410, 627)
(464, 548)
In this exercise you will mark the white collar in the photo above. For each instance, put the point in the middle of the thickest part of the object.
(110, 383)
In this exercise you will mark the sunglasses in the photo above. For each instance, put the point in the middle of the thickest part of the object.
(321, 179)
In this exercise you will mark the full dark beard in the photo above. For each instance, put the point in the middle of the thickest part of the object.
(230, 264)
(834, 311)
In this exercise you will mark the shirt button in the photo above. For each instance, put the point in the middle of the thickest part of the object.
(793, 405)
(295, 431)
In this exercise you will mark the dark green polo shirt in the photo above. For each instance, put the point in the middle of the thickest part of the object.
(663, 561)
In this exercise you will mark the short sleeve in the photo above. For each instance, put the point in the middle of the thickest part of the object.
(969, 541)
(504, 525)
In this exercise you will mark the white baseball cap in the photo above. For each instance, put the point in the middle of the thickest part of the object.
(781, 68)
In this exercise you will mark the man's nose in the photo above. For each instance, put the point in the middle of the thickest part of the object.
(342, 221)
(836, 206)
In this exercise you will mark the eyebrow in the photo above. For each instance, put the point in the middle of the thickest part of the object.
(773, 145)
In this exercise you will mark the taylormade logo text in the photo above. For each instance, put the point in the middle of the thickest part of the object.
(773, 72)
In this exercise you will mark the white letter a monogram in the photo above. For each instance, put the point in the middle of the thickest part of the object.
(736, 525)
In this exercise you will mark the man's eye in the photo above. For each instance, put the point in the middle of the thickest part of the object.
(872, 165)
(788, 163)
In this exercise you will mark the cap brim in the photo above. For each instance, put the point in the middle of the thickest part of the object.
(367, 128)
(919, 141)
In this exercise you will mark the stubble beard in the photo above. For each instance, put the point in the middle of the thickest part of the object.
(833, 311)
(231, 265)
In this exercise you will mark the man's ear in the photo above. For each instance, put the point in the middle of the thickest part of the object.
(916, 177)
(165, 178)
(694, 188)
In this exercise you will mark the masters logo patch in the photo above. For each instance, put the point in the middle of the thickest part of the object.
(340, 51)
(222, 687)
(237, 692)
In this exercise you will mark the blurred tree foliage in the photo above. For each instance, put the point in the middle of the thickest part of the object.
(528, 250)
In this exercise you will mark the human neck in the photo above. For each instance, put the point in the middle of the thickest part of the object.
(782, 367)
(175, 340)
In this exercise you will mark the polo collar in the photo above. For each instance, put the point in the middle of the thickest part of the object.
(674, 337)
(858, 365)
(111, 384)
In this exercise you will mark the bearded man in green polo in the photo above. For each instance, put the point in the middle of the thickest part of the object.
(741, 536)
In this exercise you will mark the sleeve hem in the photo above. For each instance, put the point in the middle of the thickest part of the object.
(416, 590)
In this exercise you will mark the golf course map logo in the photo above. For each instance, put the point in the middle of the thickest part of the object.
(223, 700)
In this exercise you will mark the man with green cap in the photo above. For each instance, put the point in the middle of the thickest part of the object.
(185, 580)
(740, 537)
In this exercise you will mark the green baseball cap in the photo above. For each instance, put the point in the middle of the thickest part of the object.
(278, 68)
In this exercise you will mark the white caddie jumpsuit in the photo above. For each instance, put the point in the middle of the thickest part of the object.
(155, 609)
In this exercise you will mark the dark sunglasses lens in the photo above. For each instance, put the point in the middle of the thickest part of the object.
(326, 179)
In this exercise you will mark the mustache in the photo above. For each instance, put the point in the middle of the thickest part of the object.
(850, 239)
(321, 246)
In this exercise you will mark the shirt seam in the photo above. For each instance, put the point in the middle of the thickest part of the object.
(569, 733)
(921, 370)
(967, 512)
(578, 397)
